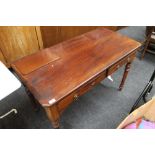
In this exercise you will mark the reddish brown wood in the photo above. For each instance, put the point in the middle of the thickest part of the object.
(120, 63)
(126, 71)
(64, 103)
(36, 61)
(53, 115)
(83, 61)
(52, 35)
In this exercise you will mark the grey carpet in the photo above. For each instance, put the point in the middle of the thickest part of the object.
(104, 107)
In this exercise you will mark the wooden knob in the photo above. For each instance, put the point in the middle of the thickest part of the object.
(93, 83)
(76, 97)
(118, 66)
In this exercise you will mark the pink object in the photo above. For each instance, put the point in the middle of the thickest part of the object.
(141, 124)
(131, 126)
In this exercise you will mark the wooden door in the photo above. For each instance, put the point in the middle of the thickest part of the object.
(18, 41)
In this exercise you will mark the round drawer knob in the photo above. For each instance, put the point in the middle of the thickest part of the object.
(76, 97)
(93, 83)
(118, 66)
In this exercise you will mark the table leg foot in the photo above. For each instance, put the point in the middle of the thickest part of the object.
(53, 115)
(127, 68)
(56, 124)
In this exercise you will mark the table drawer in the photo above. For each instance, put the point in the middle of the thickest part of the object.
(89, 85)
(64, 103)
(119, 64)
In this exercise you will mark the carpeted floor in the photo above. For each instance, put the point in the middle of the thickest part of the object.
(104, 107)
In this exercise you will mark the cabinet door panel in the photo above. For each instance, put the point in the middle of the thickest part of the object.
(18, 41)
(50, 35)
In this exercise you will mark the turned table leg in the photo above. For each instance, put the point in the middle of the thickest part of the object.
(53, 115)
(126, 71)
(51, 111)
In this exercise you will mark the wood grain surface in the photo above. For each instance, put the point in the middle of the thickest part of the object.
(81, 59)
(18, 41)
(52, 35)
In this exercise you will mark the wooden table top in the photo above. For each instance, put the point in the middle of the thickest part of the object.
(74, 62)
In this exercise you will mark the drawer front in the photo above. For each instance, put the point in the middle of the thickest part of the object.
(119, 64)
(63, 104)
(89, 85)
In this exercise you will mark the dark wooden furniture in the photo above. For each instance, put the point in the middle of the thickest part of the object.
(150, 38)
(78, 65)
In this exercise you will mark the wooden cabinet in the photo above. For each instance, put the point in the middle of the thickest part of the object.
(54, 34)
(19, 41)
